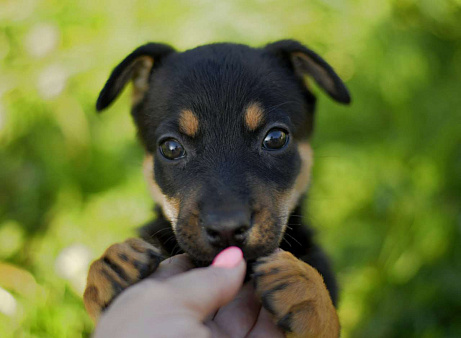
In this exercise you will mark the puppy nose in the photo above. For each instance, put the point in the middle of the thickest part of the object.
(224, 236)
(224, 229)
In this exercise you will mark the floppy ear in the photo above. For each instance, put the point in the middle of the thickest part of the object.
(305, 62)
(136, 67)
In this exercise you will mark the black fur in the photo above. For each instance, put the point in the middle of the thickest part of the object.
(124, 71)
(226, 172)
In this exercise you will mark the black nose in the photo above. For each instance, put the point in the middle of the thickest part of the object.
(223, 229)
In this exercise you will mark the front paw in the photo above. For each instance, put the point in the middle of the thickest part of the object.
(295, 294)
(121, 265)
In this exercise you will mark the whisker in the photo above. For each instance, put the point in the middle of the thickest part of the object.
(155, 234)
(295, 224)
(174, 248)
(293, 238)
(169, 239)
(283, 238)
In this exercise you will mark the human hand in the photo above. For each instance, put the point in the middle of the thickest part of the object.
(175, 302)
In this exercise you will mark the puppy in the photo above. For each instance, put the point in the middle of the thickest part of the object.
(226, 131)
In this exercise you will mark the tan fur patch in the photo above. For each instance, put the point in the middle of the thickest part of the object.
(262, 231)
(298, 291)
(121, 265)
(188, 123)
(140, 78)
(254, 116)
(170, 205)
(289, 200)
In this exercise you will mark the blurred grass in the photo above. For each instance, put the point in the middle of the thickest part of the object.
(386, 194)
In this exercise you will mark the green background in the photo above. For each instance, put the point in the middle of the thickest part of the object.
(386, 190)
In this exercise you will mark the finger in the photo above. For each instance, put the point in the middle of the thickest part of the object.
(265, 327)
(173, 266)
(239, 316)
(207, 289)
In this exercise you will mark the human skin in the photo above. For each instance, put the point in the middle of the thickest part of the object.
(176, 302)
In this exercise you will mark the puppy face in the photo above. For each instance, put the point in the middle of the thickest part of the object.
(225, 128)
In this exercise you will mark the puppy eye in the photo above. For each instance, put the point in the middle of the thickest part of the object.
(275, 139)
(172, 149)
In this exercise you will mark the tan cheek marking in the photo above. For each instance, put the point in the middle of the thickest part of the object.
(291, 198)
(261, 229)
(170, 208)
(254, 116)
(188, 123)
(304, 177)
(170, 205)
(264, 222)
(142, 67)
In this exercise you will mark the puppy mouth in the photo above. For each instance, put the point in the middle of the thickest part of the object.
(202, 242)
(249, 254)
(201, 263)
(249, 269)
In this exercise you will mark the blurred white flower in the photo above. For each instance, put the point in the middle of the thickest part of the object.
(8, 304)
(72, 264)
(52, 81)
(42, 39)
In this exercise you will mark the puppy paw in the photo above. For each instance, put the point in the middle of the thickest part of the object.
(121, 265)
(295, 294)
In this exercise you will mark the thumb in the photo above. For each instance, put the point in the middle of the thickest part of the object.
(205, 290)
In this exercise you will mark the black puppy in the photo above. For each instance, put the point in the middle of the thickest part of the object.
(226, 130)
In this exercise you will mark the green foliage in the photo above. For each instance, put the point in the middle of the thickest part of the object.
(386, 191)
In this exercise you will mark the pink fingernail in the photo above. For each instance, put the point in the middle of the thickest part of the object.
(228, 258)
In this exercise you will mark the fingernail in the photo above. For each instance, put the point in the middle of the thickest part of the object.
(228, 258)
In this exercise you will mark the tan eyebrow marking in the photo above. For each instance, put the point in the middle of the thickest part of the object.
(254, 116)
(188, 123)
